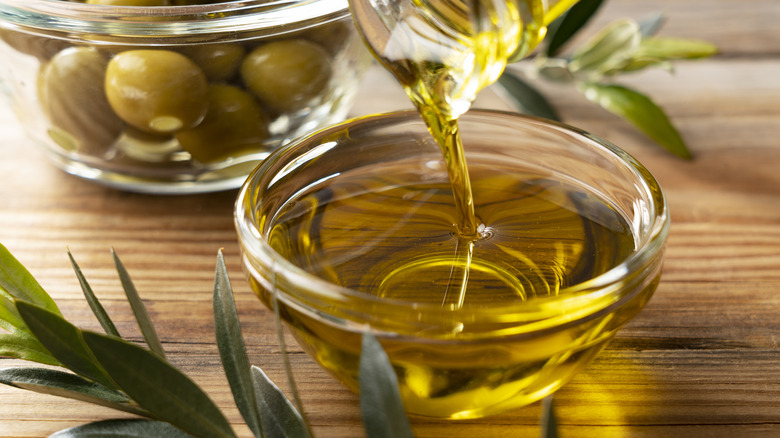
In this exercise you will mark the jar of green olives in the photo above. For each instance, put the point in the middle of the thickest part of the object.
(175, 96)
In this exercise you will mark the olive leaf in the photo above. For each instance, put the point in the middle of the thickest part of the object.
(63, 340)
(9, 317)
(668, 48)
(94, 304)
(659, 52)
(526, 98)
(608, 50)
(548, 422)
(380, 401)
(132, 428)
(568, 24)
(232, 350)
(139, 310)
(158, 387)
(651, 25)
(279, 418)
(639, 110)
(62, 384)
(17, 281)
(21, 344)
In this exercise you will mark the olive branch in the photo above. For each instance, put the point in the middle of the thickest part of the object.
(622, 47)
(108, 370)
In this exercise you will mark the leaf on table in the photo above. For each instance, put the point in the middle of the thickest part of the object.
(23, 345)
(567, 25)
(10, 319)
(639, 110)
(139, 310)
(62, 384)
(278, 416)
(158, 387)
(380, 401)
(131, 428)
(548, 422)
(63, 340)
(16, 280)
(608, 50)
(94, 304)
(232, 350)
(526, 98)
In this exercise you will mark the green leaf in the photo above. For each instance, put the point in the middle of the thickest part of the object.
(555, 70)
(639, 110)
(17, 281)
(62, 384)
(380, 401)
(651, 25)
(139, 310)
(232, 349)
(675, 48)
(611, 48)
(92, 300)
(278, 416)
(9, 317)
(23, 345)
(567, 25)
(122, 428)
(527, 99)
(158, 387)
(285, 356)
(63, 340)
(640, 63)
(548, 422)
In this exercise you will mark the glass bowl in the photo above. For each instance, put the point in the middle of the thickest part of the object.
(350, 229)
(175, 99)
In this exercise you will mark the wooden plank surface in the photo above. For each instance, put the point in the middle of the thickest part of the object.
(702, 360)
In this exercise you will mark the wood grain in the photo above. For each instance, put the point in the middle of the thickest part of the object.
(702, 360)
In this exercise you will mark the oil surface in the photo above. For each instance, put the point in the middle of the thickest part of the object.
(381, 231)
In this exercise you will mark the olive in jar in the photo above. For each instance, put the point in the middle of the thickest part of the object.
(287, 74)
(219, 62)
(158, 91)
(70, 90)
(235, 122)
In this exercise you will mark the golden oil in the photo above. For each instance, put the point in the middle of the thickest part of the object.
(461, 269)
(387, 231)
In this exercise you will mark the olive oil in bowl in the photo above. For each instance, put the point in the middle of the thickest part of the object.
(354, 228)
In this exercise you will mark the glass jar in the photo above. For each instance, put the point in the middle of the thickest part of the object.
(175, 99)
(350, 229)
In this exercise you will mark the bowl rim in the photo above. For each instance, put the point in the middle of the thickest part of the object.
(232, 17)
(602, 287)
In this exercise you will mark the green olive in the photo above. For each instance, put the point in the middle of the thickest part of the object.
(70, 89)
(158, 91)
(286, 75)
(219, 62)
(234, 123)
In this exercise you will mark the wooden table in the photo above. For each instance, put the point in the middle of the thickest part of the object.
(702, 360)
